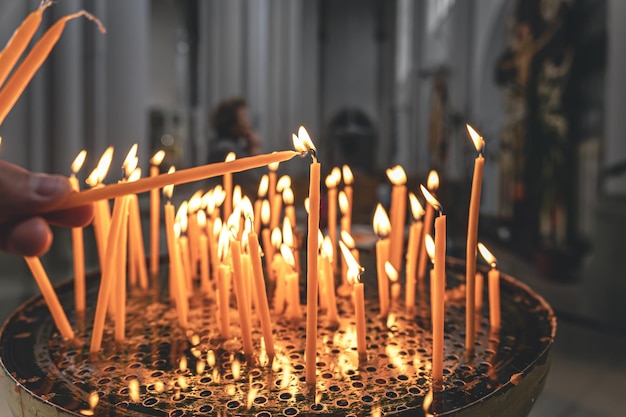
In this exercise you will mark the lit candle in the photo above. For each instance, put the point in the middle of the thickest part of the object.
(203, 246)
(472, 235)
(175, 178)
(118, 260)
(346, 287)
(291, 282)
(78, 246)
(432, 184)
(288, 239)
(439, 290)
(268, 249)
(277, 267)
(327, 256)
(193, 231)
(272, 179)
(227, 183)
(242, 302)
(102, 213)
(381, 228)
(182, 242)
(50, 297)
(258, 204)
(354, 271)
(394, 280)
(33, 60)
(261, 293)
(344, 208)
(305, 145)
(493, 278)
(277, 203)
(413, 248)
(155, 212)
(348, 179)
(223, 283)
(290, 210)
(397, 176)
(331, 181)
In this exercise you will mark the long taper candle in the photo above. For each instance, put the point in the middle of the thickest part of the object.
(472, 236)
(397, 216)
(331, 181)
(175, 178)
(432, 184)
(78, 245)
(493, 278)
(413, 248)
(155, 214)
(381, 228)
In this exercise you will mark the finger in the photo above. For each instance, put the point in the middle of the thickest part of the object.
(23, 193)
(30, 237)
(73, 217)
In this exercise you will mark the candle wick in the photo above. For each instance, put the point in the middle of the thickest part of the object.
(313, 154)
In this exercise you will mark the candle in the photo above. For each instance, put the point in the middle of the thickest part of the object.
(193, 231)
(393, 277)
(397, 176)
(175, 178)
(261, 293)
(432, 184)
(381, 228)
(480, 285)
(50, 297)
(306, 145)
(346, 287)
(102, 214)
(155, 211)
(242, 302)
(439, 289)
(277, 203)
(183, 246)
(472, 235)
(203, 247)
(413, 248)
(227, 183)
(33, 60)
(78, 246)
(332, 180)
(22, 36)
(277, 266)
(291, 283)
(136, 233)
(348, 179)
(290, 210)
(288, 239)
(119, 265)
(268, 249)
(493, 278)
(258, 204)
(222, 283)
(354, 271)
(327, 256)
(271, 176)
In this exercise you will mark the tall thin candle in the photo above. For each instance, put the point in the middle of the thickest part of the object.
(155, 213)
(413, 248)
(493, 278)
(78, 245)
(397, 176)
(381, 228)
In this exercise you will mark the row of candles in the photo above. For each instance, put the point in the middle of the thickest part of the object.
(216, 238)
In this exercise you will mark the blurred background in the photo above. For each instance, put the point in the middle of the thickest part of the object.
(376, 83)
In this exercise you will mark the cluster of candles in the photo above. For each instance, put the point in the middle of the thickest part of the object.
(220, 241)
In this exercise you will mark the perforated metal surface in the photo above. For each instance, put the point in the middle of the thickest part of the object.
(219, 380)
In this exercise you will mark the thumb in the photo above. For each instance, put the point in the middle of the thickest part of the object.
(23, 193)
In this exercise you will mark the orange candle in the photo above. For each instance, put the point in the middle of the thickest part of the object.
(394, 281)
(472, 236)
(227, 183)
(438, 293)
(432, 184)
(346, 286)
(50, 297)
(102, 214)
(272, 180)
(243, 303)
(332, 180)
(480, 285)
(290, 210)
(327, 248)
(258, 204)
(78, 246)
(119, 264)
(348, 179)
(174, 178)
(193, 231)
(397, 176)
(33, 60)
(413, 247)
(381, 228)
(354, 271)
(261, 293)
(138, 248)
(493, 278)
(223, 284)
(203, 247)
(306, 145)
(155, 213)
(276, 204)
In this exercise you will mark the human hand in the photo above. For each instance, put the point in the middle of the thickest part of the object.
(27, 209)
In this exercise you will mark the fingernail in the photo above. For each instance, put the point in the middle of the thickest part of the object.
(48, 185)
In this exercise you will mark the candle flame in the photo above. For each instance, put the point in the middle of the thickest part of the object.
(217, 226)
(195, 202)
(287, 254)
(237, 195)
(131, 161)
(135, 175)
(382, 226)
(159, 387)
(102, 168)
(479, 142)
(306, 205)
(287, 233)
(298, 145)
(219, 194)
(176, 229)
(182, 364)
(344, 204)
(233, 220)
(303, 135)
(354, 269)
(391, 272)
(327, 247)
(94, 398)
(246, 207)
(202, 219)
(348, 178)
(288, 197)
(157, 158)
(223, 244)
(320, 239)
(430, 247)
(396, 175)
(181, 216)
(276, 237)
(182, 383)
(264, 185)
(133, 390)
(333, 179)
(273, 166)
(416, 208)
(265, 212)
(487, 255)
(433, 180)
(200, 365)
(346, 237)
(251, 397)
(79, 161)
(283, 182)
(231, 156)
(168, 190)
(210, 358)
(430, 198)
(428, 400)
